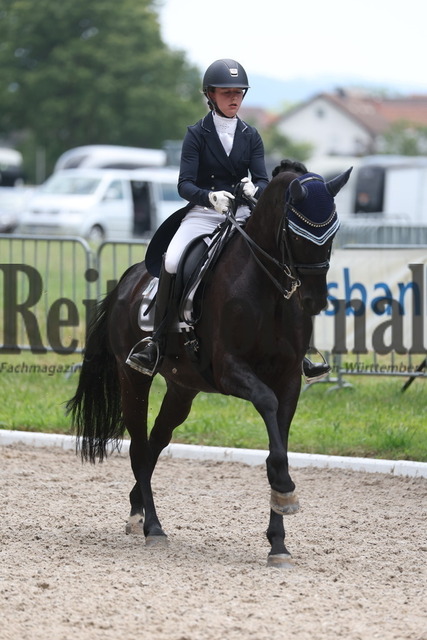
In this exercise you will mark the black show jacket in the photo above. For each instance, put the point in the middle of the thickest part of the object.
(206, 167)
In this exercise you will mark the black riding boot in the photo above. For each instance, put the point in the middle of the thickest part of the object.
(314, 371)
(146, 359)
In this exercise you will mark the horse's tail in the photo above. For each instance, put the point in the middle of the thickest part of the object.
(95, 409)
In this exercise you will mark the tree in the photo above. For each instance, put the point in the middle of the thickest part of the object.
(404, 138)
(281, 146)
(75, 72)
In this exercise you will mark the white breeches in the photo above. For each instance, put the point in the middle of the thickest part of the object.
(199, 221)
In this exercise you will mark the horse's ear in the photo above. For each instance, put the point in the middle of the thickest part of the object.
(336, 184)
(297, 190)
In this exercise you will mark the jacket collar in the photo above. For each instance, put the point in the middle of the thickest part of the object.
(208, 123)
(214, 143)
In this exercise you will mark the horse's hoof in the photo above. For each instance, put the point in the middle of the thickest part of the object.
(135, 525)
(284, 503)
(156, 541)
(280, 561)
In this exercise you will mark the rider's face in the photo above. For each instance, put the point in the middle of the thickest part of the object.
(228, 100)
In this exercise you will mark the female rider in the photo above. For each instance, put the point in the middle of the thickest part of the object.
(218, 152)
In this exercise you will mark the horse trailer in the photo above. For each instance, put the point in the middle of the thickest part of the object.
(387, 188)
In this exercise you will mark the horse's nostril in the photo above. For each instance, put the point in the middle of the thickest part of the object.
(313, 306)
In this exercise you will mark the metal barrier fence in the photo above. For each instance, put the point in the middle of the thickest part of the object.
(50, 285)
(376, 232)
(394, 365)
(45, 283)
(113, 258)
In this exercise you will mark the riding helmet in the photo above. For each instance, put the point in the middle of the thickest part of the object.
(225, 73)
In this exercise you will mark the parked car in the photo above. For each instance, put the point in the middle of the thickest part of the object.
(100, 204)
(11, 169)
(12, 203)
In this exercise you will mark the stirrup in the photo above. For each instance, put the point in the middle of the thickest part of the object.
(137, 365)
(317, 370)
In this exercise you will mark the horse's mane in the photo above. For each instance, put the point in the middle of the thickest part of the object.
(289, 165)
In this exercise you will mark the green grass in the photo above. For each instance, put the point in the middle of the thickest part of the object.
(370, 419)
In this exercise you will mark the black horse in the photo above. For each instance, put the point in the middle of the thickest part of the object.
(253, 332)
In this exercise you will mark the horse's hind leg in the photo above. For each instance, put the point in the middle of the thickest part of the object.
(279, 556)
(144, 454)
(135, 523)
(135, 392)
(176, 406)
(143, 516)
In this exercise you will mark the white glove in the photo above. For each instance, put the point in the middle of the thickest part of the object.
(221, 200)
(249, 188)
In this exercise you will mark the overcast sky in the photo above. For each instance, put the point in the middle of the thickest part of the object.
(376, 40)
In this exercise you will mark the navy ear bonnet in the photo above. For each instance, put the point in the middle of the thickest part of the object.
(311, 209)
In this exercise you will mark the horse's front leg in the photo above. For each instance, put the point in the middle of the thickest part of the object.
(277, 410)
(279, 556)
(282, 503)
(284, 500)
(239, 379)
(277, 417)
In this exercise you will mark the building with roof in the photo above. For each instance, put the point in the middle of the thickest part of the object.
(350, 123)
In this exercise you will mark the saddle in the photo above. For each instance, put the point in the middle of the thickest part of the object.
(195, 266)
(194, 271)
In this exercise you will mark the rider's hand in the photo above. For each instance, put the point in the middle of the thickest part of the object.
(221, 200)
(249, 189)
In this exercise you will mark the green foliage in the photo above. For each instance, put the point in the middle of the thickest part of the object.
(77, 72)
(404, 138)
(280, 146)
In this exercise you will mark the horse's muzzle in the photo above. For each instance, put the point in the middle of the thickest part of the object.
(312, 302)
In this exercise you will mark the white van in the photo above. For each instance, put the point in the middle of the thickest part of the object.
(106, 156)
(102, 204)
(387, 188)
(393, 188)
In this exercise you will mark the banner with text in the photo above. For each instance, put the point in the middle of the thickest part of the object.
(377, 302)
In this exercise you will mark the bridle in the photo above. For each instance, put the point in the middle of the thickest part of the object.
(312, 268)
(287, 265)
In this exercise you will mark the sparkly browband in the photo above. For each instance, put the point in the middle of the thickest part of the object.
(317, 232)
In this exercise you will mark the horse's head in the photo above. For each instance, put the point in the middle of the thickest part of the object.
(310, 222)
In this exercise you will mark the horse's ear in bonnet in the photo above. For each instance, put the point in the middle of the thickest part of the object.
(297, 191)
(336, 184)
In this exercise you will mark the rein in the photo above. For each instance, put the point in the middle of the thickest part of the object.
(254, 247)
